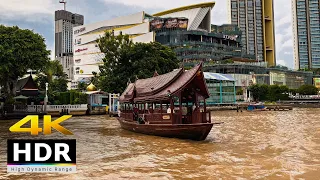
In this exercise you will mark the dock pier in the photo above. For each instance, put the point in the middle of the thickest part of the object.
(279, 107)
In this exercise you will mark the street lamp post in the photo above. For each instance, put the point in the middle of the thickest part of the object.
(46, 98)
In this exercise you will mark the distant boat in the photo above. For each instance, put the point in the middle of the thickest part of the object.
(148, 105)
(257, 107)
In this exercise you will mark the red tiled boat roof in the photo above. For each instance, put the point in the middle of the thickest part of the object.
(150, 86)
(157, 88)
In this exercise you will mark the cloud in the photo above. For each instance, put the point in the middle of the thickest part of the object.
(28, 10)
(219, 12)
(283, 30)
(162, 4)
(281, 62)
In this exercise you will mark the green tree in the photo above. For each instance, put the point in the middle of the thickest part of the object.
(59, 84)
(95, 78)
(277, 92)
(82, 86)
(316, 71)
(307, 90)
(52, 71)
(263, 92)
(20, 50)
(255, 92)
(53, 74)
(293, 91)
(125, 60)
(269, 93)
(239, 92)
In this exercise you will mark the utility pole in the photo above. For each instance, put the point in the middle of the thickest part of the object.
(64, 3)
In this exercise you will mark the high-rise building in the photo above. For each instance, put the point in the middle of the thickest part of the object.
(64, 23)
(306, 33)
(255, 19)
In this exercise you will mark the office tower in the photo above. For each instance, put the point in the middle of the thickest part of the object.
(255, 19)
(64, 23)
(306, 33)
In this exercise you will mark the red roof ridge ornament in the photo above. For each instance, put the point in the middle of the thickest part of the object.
(155, 73)
(169, 93)
(182, 65)
(129, 81)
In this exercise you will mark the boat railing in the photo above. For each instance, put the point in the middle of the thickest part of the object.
(166, 118)
(127, 115)
(152, 118)
(158, 118)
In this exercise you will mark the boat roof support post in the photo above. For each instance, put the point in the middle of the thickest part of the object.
(180, 107)
(161, 108)
(172, 108)
(197, 100)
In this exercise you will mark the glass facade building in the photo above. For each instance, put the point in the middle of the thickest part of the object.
(221, 88)
(245, 75)
(306, 31)
(256, 21)
(217, 45)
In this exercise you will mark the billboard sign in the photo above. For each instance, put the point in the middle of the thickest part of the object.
(77, 41)
(79, 30)
(316, 82)
(230, 37)
(79, 50)
(157, 24)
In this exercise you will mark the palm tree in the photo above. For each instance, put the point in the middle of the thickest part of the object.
(51, 71)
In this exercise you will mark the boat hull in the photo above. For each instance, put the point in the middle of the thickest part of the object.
(197, 132)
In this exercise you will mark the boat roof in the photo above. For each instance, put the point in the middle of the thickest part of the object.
(157, 88)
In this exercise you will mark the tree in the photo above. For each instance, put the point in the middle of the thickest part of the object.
(307, 90)
(316, 71)
(269, 92)
(82, 86)
(125, 61)
(59, 85)
(239, 92)
(52, 70)
(277, 92)
(53, 74)
(20, 50)
(255, 91)
(95, 78)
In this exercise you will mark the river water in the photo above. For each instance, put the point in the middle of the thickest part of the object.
(249, 145)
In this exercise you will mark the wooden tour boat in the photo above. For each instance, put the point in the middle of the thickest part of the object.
(168, 105)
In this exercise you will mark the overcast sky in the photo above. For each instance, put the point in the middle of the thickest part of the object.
(39, 16)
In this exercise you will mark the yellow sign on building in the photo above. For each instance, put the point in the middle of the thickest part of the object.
(316, 82)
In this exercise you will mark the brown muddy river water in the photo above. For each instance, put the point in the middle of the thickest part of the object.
(249, 145)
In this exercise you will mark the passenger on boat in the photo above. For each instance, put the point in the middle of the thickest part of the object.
(135, 112)
(169, 110)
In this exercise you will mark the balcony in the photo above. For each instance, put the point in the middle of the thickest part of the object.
(267, 18)
(268, 48)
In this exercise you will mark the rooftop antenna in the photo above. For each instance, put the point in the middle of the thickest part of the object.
(64, 3)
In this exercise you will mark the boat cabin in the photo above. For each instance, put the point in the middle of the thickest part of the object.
(177, 97)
